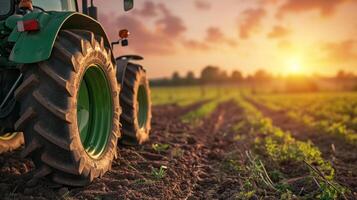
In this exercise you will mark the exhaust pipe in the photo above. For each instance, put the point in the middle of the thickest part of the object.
(85, 7)
(91, 11)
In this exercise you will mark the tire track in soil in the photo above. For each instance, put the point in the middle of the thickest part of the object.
(215, 140)
(343, 155)
(190, 163)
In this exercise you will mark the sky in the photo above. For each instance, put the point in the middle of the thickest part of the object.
(279, 36)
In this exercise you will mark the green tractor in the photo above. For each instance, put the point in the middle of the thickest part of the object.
(63, 93)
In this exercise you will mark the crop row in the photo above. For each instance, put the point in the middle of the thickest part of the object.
(196, 117)
(284, 165)
(333, 113)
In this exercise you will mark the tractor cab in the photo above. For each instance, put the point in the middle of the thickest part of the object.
(9, 7)
(55, 5)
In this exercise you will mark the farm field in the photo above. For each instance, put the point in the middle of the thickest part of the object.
(223, 143)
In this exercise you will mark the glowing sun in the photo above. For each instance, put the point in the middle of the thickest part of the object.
(294, 67)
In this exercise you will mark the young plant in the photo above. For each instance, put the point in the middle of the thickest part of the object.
(160, 147)
(159, 174)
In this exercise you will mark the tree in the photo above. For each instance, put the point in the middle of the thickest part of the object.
(176, 79)
(261, 76)
(210, 74)
(341, 75)
(236, 76)
(223, 76)
(190, 77)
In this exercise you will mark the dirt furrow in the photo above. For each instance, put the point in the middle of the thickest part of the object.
(183, 164)
(334, 148)
(215, 139)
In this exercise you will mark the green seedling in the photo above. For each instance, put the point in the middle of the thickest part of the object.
(160, 147)
(159, 174)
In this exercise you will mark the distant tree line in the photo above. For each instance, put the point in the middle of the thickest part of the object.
(209, 75)
(213, 75)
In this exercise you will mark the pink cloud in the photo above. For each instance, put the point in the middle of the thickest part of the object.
(149, 10)
(214, 34)
(160, 40)
(169, 24)
(202, 5)
(214, 37)
(251, 22)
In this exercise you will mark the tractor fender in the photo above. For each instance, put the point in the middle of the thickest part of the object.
(122, 64)
(33, 47)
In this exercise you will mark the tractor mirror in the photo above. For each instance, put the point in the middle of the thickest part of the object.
(128, 5)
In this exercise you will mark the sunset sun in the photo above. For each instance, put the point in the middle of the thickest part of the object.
(294, 66)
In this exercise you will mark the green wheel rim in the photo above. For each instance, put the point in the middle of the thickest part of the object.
(8, 136)
(143, 106)
(94, 111)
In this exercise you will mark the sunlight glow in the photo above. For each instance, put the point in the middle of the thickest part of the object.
(294, 66)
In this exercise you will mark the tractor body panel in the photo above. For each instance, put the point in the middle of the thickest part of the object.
(36, 46)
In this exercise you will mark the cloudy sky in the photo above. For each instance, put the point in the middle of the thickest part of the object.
(281, 36)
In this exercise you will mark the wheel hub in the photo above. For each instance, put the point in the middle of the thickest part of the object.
(142, 102)
(94, 111)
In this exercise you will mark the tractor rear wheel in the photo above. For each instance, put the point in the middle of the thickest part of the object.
(70, 110)
(135, 101)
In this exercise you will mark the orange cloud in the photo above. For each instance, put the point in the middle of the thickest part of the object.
(268, 1)
(252, 20)
(326, 7)
(278, 32)
(341, 52)
(202, 5)
(196, 45)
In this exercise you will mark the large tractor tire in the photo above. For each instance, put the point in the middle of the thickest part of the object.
(70, 110)
(9, 140)
(136, 104)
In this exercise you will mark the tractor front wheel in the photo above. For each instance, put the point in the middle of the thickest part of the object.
(70, 110)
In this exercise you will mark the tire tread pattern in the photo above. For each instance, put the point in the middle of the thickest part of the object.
(48, 115)
(134, 76)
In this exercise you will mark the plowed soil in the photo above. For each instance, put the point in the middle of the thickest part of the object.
(192, 163)
(340, 153)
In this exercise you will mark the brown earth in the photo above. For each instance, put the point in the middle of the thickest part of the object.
(340, 153)
(193, 162)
